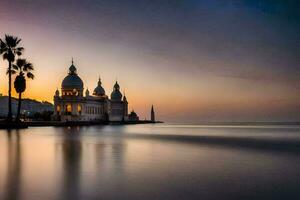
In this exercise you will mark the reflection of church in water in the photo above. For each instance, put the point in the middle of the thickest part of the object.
(72, 105)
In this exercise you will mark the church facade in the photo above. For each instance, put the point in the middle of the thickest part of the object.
(75, 104)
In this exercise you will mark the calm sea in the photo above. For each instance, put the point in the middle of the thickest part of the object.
(160, 161)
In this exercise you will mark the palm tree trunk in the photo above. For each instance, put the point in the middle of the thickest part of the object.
(9, 116)
(19, 107)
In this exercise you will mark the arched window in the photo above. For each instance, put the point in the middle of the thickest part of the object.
(69, 108)
(58, 109)
(79, 108)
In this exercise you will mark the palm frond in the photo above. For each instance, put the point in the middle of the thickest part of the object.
(5, 56)
(3, 49)
(10, 45)
(20, 49)
(28, 67)
(8, 55)
(9, 40)
(20, 62)
(30, 75)
(19, 53)
(12, 71)
(18, 40)
(12, 41)
(3, 46)
(15, 67)
(23, 66)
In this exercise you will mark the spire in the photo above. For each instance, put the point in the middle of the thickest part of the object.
(152, 114)
(99, 81)
(87, 92)
(117, 86)
(124, 97)
(72, 68)
(57, 92)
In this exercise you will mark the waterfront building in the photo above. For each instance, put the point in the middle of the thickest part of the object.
(73, 104)
(133, 116)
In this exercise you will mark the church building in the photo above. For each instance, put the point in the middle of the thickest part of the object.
(75, 104)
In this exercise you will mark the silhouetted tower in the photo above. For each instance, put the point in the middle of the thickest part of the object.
(152, 114)
(125, 105)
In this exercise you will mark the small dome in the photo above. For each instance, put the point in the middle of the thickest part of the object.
(133, 114)
(72, 80)
(99, 90)
(116, 94)
(72, 69)
(87, 92)
(56, 92)
(116, 86)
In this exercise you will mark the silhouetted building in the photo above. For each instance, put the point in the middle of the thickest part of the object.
(133, 116)
(72, 105)
(152, 114)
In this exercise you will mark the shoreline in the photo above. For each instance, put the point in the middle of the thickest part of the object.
(22, 125)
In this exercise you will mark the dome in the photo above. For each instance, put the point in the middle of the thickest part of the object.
(116, 94)
(133, 114)
(72, 80)
(99, 90)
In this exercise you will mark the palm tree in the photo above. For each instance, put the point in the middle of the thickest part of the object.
(23, 69)
(9, 49)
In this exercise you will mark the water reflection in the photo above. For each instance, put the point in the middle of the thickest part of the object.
(80, 155)
(14, 165)
(71, 151)
(290, 146)
(149, 162)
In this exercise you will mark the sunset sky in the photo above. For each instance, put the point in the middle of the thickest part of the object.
(195, 60)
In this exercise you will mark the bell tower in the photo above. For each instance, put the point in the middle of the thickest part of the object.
(152, 114)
